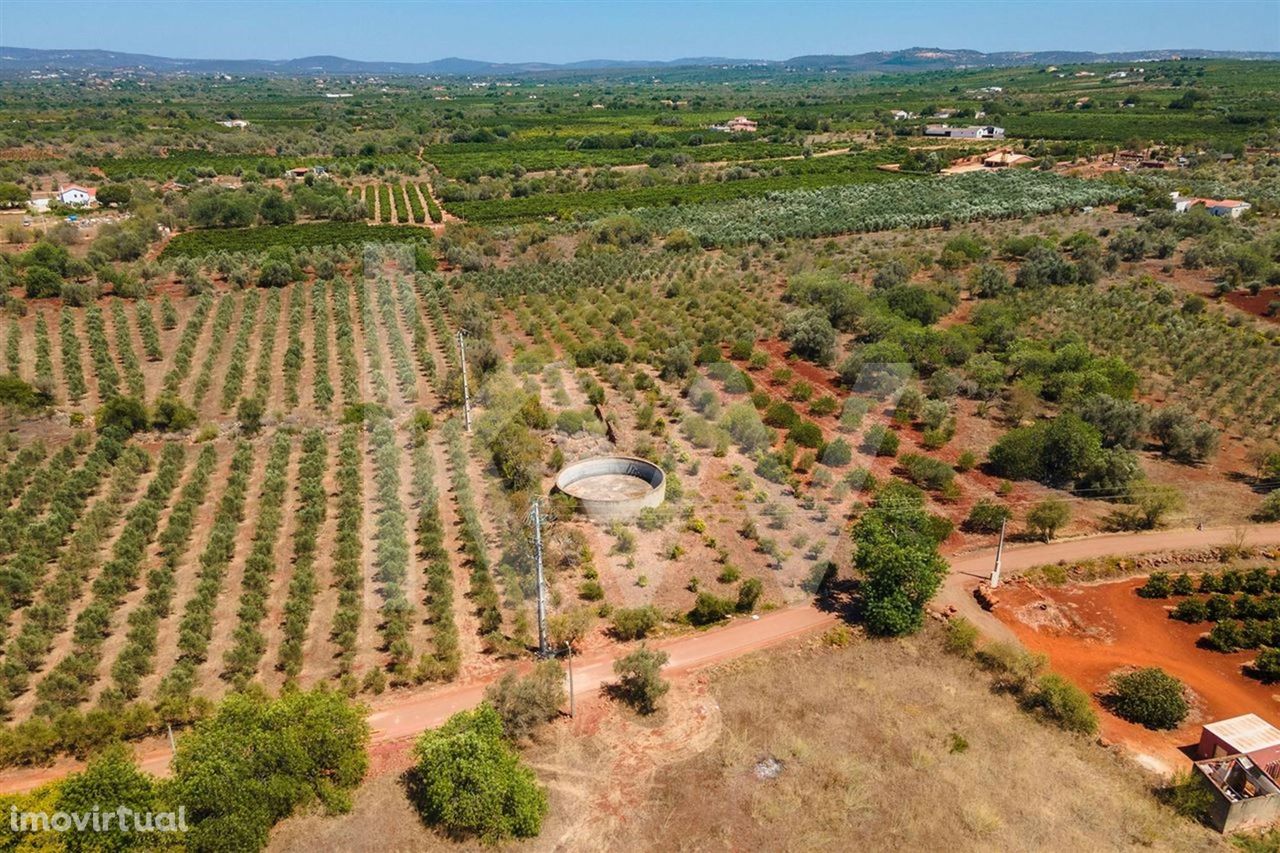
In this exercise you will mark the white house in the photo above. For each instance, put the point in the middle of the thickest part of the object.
(971, 132)
(1227, 207)
(901, 115)
(1234, 208)
(77, 196)
(234, 122)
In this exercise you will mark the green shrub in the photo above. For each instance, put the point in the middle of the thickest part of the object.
(468, 782)
(961, 637)
(1157, 586)
(709, 609)
(635, 623)
(1191, 610)
(1149, 697)
(640, 683)
(526, 703)
(748, 595)
(1057, 699)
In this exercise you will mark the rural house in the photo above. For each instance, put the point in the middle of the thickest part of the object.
(737, 124)
(970, 132)
(77, 196)
(1233, 208)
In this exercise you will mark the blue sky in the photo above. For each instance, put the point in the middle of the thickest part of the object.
(569, 30)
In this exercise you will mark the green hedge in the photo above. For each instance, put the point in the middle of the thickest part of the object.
(207, 241)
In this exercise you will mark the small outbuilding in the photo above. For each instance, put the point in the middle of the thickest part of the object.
(1243, 796)
(1247, 734)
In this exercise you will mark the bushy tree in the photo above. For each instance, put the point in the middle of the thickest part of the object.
(987, 517)
(126, 413)
(899, 563)
(1047, 517)
(470, 783)
(1182, 436)
(1057, 452)
(249, 413)
(526, 703)
(810, 335)
(1270, 508)
(171, 414)
(640, 683)
(1120, 423)
(256, 760)
(1149, 697)
(634, 623)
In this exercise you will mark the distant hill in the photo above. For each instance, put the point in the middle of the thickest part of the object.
(21, 61)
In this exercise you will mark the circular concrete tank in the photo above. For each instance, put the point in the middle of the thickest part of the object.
(613, 488)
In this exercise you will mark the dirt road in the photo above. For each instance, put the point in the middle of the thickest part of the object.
(402, 716)
(968, 570)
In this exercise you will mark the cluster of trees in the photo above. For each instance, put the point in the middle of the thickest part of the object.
(313, 501)
(483, 592)
(254, 204)
(897, 558)
(48, 616)
(446, 657)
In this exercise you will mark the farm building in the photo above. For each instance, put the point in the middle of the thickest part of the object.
(970, 132)
(1003, 158)
(1231, 207)
(901, 115)
(77, 196)
(737, 124)
(1245, 735)
(1237, 760)
(1243, 795)
(234, 122)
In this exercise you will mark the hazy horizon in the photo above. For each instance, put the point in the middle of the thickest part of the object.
(556, 32)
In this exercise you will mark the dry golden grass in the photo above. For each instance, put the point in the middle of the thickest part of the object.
(867, 735)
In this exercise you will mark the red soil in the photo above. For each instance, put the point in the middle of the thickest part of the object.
(1256, 305)
(1090, 631)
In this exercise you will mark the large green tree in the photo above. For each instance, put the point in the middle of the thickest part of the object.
(897, 556)
(469, 782)
(256, 760)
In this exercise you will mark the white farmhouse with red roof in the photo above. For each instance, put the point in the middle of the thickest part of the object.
(76, 195)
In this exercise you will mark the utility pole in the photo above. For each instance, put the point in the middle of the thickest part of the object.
(173, 746)
(995, 573)
(466, 390)
(569, 650)
(542, 597)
